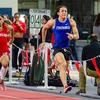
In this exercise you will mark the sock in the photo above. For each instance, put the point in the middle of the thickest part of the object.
(3, 72)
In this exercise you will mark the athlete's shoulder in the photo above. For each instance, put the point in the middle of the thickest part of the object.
(72, 22)
(51, 22)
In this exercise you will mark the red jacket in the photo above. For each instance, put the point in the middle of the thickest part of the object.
(17, 28)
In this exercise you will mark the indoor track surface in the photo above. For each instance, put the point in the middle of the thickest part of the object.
(15, 94)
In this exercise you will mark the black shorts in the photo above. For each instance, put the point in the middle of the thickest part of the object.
(65, 51)
(26, 40)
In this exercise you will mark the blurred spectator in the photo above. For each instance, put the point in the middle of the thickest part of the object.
(7, 19)
(12, 19)
(19, 31)
(26, 36)
(96, 26)
(33, 41)
(32, 44)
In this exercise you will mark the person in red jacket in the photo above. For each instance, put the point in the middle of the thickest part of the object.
(19, 31)
(4, 49)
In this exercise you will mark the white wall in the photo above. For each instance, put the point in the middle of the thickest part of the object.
(10, 4)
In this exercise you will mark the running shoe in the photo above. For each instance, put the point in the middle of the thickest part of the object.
(67, 89)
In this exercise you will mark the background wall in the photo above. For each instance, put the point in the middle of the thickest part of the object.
(12, 4)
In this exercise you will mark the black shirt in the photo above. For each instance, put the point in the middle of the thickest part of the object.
(90, 51)
(48, 35)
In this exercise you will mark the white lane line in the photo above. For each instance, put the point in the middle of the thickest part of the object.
(12, 97)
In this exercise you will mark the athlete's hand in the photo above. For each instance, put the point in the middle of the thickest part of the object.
(70, 36)
(42, 45)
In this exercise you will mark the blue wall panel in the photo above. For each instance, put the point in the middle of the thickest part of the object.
(7, 11)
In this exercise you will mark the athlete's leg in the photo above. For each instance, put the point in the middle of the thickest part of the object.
(4, 60)
(62, 66)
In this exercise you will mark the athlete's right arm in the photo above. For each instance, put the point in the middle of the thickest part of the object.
(48, 25)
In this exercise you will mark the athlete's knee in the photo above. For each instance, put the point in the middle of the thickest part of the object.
(63, 65)
(4, 64)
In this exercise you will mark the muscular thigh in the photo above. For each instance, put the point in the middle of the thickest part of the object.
(59, 58)
(60, 61)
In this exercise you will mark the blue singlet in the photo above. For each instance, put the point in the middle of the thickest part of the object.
(60, 30)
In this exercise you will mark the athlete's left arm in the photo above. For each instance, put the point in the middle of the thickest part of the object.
(74, 29)
(11, 30)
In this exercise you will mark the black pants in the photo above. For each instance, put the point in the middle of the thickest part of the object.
(19, 42)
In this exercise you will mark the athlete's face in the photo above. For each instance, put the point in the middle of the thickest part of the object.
(1, 20)
(62, 13)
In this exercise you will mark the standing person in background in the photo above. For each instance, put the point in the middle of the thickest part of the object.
(33, 39)
(7, 21)
(96, 26)
(62, 27)
(6, 18)
(19, 31)
(96, 30)
(49, 32)
(32, 44)
(4, 49)
(90, 51)
(26, 36)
